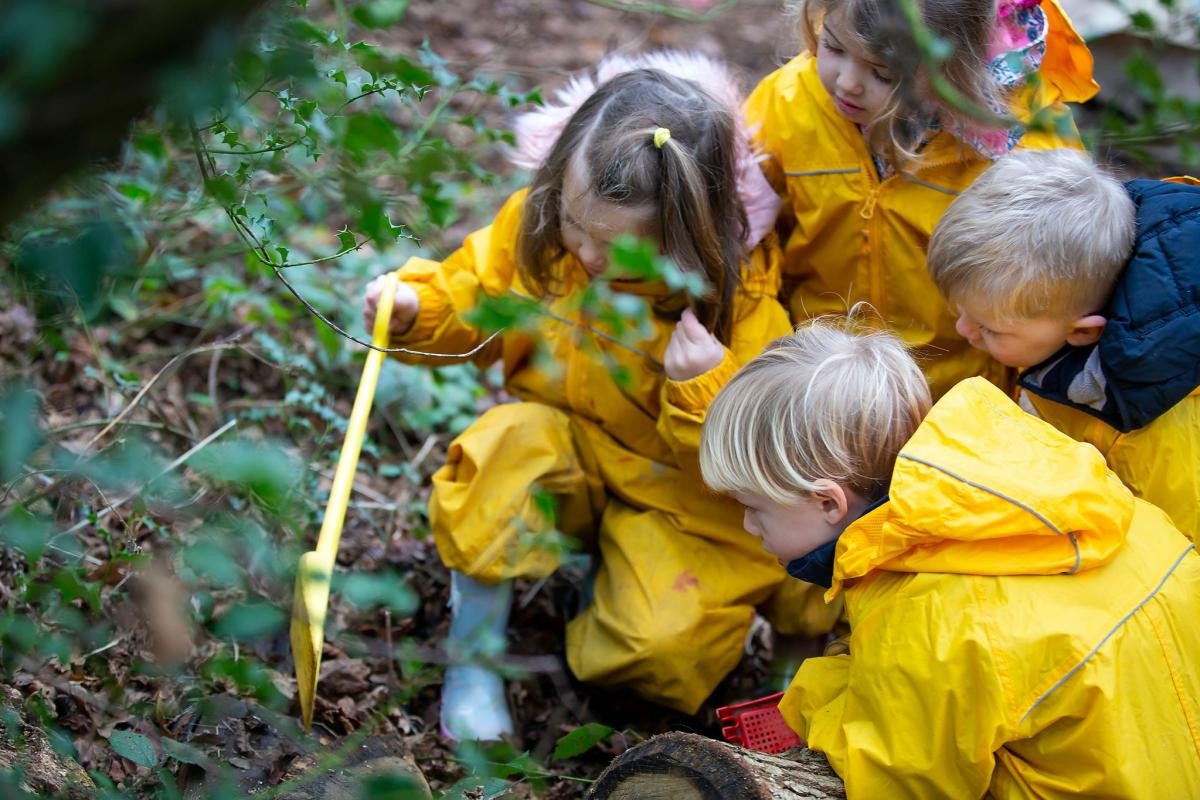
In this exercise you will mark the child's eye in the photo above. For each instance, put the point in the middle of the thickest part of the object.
(828, 45)
(882, 77)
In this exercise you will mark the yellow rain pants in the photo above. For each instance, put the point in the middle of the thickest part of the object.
(602, 431)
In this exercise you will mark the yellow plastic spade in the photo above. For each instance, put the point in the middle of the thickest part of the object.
(316, 566)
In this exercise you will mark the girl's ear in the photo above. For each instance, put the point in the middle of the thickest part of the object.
(835, 503)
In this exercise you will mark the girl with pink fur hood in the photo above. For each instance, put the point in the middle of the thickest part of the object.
(599, 452)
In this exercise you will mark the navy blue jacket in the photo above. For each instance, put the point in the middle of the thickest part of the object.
(1149, 353)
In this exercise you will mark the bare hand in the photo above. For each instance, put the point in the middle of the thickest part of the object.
(404, 307)
(692, 350)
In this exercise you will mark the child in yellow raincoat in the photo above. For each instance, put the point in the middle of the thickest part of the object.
(606, 423)
(867, 156)
(1092, 288)
(1021, 625)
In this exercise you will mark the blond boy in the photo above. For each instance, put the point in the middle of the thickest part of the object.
(1018, 619)
(1092, 288)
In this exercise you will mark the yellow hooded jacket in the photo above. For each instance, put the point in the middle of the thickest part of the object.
(616, 442)
(1160, 462)
(850, 237)
(1021, 626)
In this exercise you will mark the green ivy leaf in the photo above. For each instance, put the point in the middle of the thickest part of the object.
(250, 621)
(380, 13)
(19, 434)
(580, 740)
(27, 533)
(212, 558)
(181, 751)
(135, 747)
(365, 590)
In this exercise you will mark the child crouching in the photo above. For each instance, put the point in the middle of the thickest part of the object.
(1092, 288)
(1005, 639)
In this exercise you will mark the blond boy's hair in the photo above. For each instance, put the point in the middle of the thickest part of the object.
(1040, 234)
(824, 402)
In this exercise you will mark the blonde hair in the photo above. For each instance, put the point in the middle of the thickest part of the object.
(882, 29)
(824, 402)
(1040, 234)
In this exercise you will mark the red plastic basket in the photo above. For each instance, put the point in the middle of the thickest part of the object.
(758, 725)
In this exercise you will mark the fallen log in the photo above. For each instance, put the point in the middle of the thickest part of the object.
(684, 766)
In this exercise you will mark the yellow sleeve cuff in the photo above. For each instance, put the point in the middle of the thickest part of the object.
(695, 394)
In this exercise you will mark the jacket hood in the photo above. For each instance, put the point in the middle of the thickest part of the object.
(1148, 358)
(537, 131)
(1030, 37)
(983, 488)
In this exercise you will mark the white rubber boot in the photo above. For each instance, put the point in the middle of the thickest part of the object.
(474, 703)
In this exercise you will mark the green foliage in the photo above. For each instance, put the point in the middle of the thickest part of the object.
(317, 153)
(134, 746)
(19, 434)
(580, 740)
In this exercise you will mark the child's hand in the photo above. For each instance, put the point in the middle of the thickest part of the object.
(404, 306)
(692, 350)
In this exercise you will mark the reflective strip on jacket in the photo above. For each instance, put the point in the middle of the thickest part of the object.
(850, 237)
(1022, 627)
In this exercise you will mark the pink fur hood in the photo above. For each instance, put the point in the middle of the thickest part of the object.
(537, 131)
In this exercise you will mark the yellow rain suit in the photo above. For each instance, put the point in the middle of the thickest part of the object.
(849, 237)
(1021, 625)
(602, 430)
(1160, 462)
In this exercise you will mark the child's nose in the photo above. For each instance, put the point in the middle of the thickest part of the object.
(593, 256)
(965, 327)
(850, 80)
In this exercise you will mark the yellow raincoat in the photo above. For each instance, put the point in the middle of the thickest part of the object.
(602, 429)
(1021, 625)
(1160, 462)
(851, 237)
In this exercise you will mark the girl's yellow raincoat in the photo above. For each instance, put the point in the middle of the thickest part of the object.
(602, 429)
(850, 237)
(1021, 625)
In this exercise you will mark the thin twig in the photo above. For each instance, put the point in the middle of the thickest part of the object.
(169, 468)
(225, 345)
(92, 423)
(214, 401)
(667, 11)
(365, 491)
(425, 450)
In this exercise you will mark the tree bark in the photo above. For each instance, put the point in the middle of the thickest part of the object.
(44, 772)
(684, 766)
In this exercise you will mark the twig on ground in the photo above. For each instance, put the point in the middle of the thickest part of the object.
(111, 507)
(223, 345)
